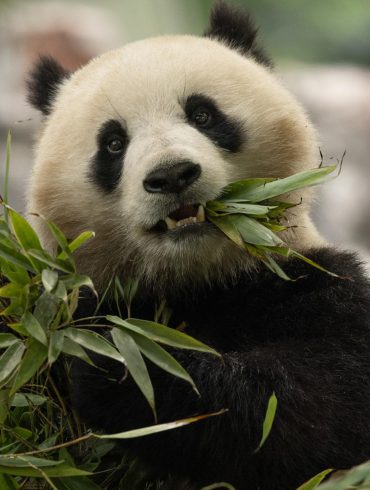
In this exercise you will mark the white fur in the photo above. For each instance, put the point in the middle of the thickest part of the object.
(143, 85)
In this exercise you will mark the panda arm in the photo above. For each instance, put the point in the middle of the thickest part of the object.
(314, 356)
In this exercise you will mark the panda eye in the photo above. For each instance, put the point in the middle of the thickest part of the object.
(115, 146)
(201, 117)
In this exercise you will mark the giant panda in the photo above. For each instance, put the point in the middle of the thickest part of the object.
(132, 145)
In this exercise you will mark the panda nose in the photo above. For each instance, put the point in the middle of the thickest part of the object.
(165, 180)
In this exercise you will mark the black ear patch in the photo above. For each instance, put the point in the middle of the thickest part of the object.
(43, 83)
(236, 28)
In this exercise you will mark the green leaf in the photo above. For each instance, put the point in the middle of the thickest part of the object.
(269, 189)
(58, 470)
(7, 339)
(315, 480)
(254, 232)
(77, 281)
(236, 191)
(25, 461)
(274, 267)
(15, 257)
(269, 420)
(162, 358)
(47, 259)
(56, 342)
(135, 364)
(46, 308)
(73, 349)
(15, 274)
(11, 290)
(93, 341)
(4, 407)
(8, 483)
(49, 279)
(34, 358)
(60, 238)
(10, 360)
(227, 226)
(162, 334)
(243, 208)
(33, 327)
(77, 243)
(154, 429)
(311, 262)
(27, 399)
(24, 232)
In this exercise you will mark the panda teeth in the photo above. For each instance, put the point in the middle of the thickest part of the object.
(171, 223)
(200, 217)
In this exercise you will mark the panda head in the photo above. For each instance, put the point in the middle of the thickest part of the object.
(135, 142)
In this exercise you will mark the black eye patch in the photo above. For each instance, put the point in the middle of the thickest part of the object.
(112, 142)
(202, 113)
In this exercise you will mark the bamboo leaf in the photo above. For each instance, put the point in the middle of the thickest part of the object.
(253, 232)
(47, 259)
(8, 483)
(315, 480)
(7, 339)
(269, 420)
(24, 232)
(56, 342)
(77, 243)
(33, 328)
(135, 364)
(240, 190)
(27, 399)
(16, 258)
(60, 238)
(11, 290)
(267, 188)
(15, 273)
(49, 279)
(46, 308)
(162, 358)
(154, 429)
(162, 334)
(11, 359)
(227, 226)
(93, 341)
(77, 281)
(57, 470)
(75, 350)
(34, 358)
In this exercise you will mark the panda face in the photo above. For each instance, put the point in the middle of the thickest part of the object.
(137, 142)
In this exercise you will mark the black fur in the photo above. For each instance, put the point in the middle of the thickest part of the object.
(306, 340)
(43, 83)
(222, 130)
(106, 168)
(235, 27)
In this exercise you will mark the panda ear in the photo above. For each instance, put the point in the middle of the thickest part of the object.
(43, 83)
(236, 28)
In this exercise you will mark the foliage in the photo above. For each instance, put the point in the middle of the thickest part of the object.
(250, 214)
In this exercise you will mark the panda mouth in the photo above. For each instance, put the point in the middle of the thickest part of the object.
(185, 215)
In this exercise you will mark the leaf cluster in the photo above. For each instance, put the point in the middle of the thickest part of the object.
(250, 214)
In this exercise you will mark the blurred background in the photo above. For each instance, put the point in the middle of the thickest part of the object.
(322, 54)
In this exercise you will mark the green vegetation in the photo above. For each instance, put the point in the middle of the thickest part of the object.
(250, 214)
